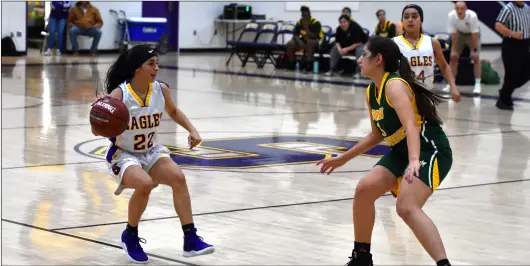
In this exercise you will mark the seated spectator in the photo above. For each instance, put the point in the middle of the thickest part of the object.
(57, 24)
(85, 19)
(385, 28)
(349, 40)
(347, 11)
(306, 35)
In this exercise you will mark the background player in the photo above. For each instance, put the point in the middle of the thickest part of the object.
(422, 51)
(136, 159)
(422, 155)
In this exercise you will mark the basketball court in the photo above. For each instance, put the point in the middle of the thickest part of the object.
(256, 192)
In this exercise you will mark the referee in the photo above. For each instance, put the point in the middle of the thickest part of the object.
(513, 23)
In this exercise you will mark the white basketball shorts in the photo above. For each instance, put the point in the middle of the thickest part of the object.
(119, 160)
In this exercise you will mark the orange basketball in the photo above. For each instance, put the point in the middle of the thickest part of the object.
(109, 117)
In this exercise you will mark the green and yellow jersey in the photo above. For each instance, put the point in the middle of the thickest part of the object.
(387, 120)
(435, 152)
(388, 30)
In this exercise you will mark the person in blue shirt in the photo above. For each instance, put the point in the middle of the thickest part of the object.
(57, 24)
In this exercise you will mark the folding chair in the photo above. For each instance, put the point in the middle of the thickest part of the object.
(287, 29)
(283, 36)
(367, 31)
(266, 44)
(244, 47)
(328, 31)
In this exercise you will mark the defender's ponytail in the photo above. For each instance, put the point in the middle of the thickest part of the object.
(426, 100)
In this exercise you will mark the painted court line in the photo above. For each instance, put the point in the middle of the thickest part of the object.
(280, 206)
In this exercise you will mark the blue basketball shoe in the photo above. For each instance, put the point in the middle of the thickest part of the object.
(131, 244)
(194, 246)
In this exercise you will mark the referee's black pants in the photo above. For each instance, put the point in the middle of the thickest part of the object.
(516, 59)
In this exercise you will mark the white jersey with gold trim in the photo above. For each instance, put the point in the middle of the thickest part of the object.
(421, 57)
(145, 118)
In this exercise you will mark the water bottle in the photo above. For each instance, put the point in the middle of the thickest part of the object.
(315, 66)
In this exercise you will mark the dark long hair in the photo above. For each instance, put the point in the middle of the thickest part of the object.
(125, 66)
(395, 61)
(420, 12)
(119, 72)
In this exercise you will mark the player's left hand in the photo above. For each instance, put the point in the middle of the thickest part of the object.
(101, 97)
(194, 139)
(455, 94)
(413, 170)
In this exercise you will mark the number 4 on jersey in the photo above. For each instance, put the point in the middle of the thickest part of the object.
(421, 76)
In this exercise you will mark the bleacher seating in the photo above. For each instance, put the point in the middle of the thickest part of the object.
(265, 43)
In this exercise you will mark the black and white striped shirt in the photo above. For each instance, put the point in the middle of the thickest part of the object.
(516, 18)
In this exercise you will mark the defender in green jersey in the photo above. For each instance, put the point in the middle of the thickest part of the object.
(435, 151)
(403, 113)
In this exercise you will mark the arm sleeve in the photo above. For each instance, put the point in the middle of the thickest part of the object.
(339, 36)
(316, 28)
(358, 33)
(99, 21)
(451, 23)
(504, 15)
(392, 31)
(296, 30)
(474, 23)
(71, 18)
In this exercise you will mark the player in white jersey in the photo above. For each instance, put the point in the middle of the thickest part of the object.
(422, 51)
(136, 159)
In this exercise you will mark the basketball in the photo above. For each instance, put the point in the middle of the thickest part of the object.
(109, 117)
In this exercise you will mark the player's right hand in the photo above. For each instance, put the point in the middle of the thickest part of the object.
(328, 165)
(413, 170)
(455, 95)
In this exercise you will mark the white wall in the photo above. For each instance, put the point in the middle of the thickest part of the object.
(13, 21)
(200, 16)
(110, 31)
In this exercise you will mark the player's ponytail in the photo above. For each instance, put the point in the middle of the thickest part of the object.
(118, 73)
(426, 100)
(394, 62)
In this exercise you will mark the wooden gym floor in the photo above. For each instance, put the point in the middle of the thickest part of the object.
(256, 192)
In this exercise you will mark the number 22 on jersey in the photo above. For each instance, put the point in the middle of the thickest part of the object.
(142, 141)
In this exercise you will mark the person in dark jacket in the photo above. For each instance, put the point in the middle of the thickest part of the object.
(306, 34)
(85, 19)
(349, 40)
(57, 24)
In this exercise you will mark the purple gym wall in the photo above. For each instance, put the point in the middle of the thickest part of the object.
(487, 11)
(168, 10)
